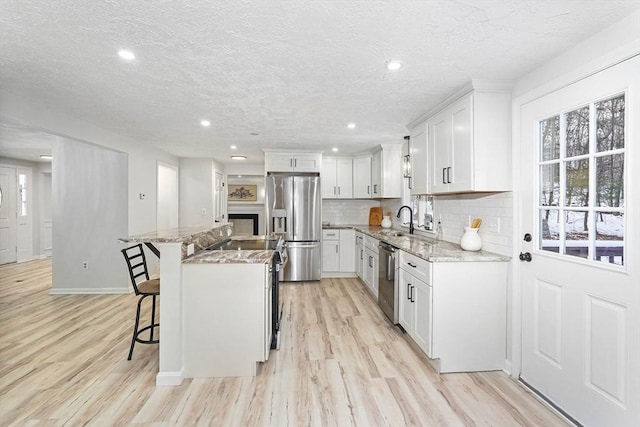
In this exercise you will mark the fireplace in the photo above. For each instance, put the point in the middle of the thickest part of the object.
(244, 224)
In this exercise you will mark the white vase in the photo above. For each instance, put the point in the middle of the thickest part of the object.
(386, 221)
(470, 240)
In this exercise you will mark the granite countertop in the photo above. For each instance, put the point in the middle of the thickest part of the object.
(173, 235)
(230, 257)
(424, 247)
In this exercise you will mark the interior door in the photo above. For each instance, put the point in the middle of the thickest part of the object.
(580, 276)
(8, 214)
(219, 197)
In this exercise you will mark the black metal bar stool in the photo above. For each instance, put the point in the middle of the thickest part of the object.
(143, 287)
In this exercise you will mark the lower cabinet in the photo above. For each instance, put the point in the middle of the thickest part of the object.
(415, 309)
(359, 259)
(456, 312)
(370, 268)
(338, 253)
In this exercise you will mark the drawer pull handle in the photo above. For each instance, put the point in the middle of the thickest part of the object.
(412, 265)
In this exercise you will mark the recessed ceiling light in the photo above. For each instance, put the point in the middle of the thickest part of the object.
(46, 156)
(394, 65)
(239, 176)
(351, 125)
(238, 157)
(205, 123)
(127, 55)
(334, 149)
(233, 147)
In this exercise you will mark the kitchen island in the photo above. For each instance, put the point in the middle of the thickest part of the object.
(203, 332)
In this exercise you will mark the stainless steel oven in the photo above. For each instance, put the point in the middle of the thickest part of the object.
(387, 287)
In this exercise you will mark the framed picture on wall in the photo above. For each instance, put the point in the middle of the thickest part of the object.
(243, 193)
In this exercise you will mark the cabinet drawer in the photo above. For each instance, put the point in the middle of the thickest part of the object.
(417, 266)
(371, 243)
(330, 234)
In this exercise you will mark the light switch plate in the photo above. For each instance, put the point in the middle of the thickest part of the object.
(493, 225)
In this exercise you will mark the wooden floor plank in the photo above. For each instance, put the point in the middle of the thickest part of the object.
(341, 363)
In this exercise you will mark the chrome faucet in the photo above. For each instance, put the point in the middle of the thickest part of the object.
(410, 217)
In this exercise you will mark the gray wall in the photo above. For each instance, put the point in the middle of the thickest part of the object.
(90, 212)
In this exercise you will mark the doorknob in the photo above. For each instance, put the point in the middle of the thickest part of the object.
(527, 237)
(526, 256)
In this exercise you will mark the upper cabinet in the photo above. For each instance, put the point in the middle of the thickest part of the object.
(292, 162)
(362, 177)
(386, 172)
(418, 155)
(469, 144)
(336, 178)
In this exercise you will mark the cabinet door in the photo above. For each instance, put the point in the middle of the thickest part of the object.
(347, 251)
(328, 178)
(405, 304)
(419, 166)
(391, 173)
(439, 140)
(359, 255)
(307, 162)
(278, 162)
(460, 146)
(422, 316)
(344, 178)
(362, 177)
(376, 175)
(371, 271)
(331, 255)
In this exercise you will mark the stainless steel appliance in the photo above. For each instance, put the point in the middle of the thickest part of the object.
(278, 261)
(293, 212)
(387, 288)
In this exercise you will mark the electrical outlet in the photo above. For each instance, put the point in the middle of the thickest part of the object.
(190, 249)
(493, 225)
(85, 265)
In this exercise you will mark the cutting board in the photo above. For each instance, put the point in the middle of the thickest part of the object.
(375, 216)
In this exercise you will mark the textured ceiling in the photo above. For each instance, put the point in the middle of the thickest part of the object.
(296, 72)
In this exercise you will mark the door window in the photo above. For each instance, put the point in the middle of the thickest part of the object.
(581, 182)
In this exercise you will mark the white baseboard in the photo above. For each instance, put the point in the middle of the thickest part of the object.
(169, 378)
(89, 291)
(336, 275)
(507, 367)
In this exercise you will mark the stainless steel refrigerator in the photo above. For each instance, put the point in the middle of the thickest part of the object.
(293, 212)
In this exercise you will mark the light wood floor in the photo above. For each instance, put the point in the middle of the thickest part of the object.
(63, 362)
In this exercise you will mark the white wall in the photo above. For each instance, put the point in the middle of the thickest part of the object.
(89, 204)
(197, 186)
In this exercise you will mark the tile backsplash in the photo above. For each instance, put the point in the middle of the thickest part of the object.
(347, 211)
(495, 210)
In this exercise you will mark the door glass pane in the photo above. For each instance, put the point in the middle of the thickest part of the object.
(550, 185)
(550, 138)
(576, 229)
(22, 188)
(610, 124)
(577, 132)
(610, 181)
(549, 230)
(577, 183)
(610, 237)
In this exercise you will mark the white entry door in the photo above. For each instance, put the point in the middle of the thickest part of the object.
(580, 275)
(8, 216)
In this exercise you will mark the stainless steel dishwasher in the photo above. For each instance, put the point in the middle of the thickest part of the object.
(387, 289)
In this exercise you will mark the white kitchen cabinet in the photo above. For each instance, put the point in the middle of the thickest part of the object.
(359, 255)
(455, 312)
(469, 143)
(292, 162)
(415, 304)
(370, 273)
(386, 172)
(338, 253)
(212, 294)
(362, 177)
(337, 178)
(419, 164)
